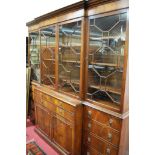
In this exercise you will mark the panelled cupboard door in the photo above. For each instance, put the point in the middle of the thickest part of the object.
(39, 117)
(43, 120)
(63, 133)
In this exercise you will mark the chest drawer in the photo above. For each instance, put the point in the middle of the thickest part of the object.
(64, 105)
(49, 105)
(100, 146)
(103, 131)
(37, 97)
(90, 151)
(47, 97)
(65, 114)
(33, 87)
(58, 103)
(102, 117)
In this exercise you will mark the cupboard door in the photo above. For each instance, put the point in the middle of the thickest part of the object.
(63, 133)
(46, 119)
(39, 117)
(43, 119)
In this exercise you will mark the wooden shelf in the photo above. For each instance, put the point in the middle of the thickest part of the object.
(72, 81)
(47, 46)
(68, 46)
(104, 64)
(105, 37)
(49, 59)
(107, 88)
(71, 61)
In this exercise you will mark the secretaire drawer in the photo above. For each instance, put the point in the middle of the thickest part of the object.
(33, 87)
(64, 105)
(102, 117)
(38, 92)
(37, 97)
(47, 97)
(49, 106)
(103, 131)
(99, 145)
(65, 114)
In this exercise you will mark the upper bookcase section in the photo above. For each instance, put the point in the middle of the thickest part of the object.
(79, 9)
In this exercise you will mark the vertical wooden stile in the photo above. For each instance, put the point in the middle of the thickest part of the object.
(56, 56)
(83, 59)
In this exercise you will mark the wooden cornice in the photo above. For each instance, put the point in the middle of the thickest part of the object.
(73, 7)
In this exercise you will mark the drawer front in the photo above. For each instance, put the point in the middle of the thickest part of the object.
(63, 105)
(102, 131)
(47, 97)
(100, 146)
(49, 106)
(65, 114)
(58, 103)
(90, 151)
(38, 92)
(33, 87)
(32, 93)
(103, 118)
(38, 98)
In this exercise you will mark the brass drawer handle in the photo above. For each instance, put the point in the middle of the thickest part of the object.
(60, 110)
(107, 151)
(89, 113)
(110, 136)
(89, 125)
(110, 121)
(88, 153)
(89, 139)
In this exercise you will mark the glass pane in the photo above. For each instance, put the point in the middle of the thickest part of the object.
(106, 58)
(48, 56)
(69, 57)
(34, 55)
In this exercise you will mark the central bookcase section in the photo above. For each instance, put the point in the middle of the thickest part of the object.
(69, 57)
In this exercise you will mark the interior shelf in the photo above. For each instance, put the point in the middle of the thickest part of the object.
(71, 61)
(107, 88)
(48, 59)
(104, 64)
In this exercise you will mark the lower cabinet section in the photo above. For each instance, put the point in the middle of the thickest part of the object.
(59, 123)
(104, 134)
(76, 129)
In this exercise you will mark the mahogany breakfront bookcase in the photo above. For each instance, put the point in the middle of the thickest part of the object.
(79, 60)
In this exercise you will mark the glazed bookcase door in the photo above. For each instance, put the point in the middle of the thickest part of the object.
(48, 56)
(34, 45)
(69, 57)
(107, 37)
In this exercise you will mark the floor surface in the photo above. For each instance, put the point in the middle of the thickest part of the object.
(32, 135)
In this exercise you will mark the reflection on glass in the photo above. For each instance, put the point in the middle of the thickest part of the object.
(48, 56)
(34, 55)
(69, 57)
(106, 58)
